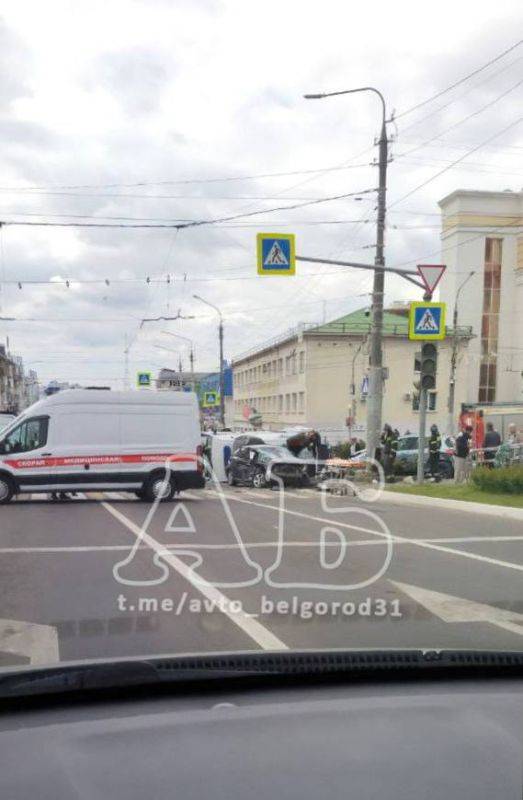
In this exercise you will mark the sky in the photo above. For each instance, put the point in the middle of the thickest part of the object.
(155, 112)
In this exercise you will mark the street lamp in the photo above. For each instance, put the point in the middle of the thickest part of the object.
(454, 356)
(220, 339)
(191, 352)
(375, 396)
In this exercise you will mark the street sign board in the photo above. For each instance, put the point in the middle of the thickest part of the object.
(276, 253)
(427, 321)
(431, 274)
(211, 399)
(143, 379)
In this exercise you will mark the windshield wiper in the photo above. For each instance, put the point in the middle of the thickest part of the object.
(175, 670)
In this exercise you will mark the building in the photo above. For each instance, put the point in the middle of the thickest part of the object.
(31, 387)
(483, 232)
(13, 387)
(318, 376)
(179, 380)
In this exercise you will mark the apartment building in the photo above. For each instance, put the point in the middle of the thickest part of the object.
(482, 233)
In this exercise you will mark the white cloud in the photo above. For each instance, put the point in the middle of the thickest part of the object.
(123, 92)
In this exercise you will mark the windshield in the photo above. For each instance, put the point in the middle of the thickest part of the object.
(236, 235)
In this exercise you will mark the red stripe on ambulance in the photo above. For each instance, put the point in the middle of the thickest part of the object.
(75, 461)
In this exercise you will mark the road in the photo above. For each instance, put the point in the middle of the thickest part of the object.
(237, 571)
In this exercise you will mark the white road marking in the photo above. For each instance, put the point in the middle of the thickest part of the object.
(457, 609)
(39, 643)
(257, 632)
(395, 539)
(252, 545)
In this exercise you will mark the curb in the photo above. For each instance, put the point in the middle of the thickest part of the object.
(503, 512)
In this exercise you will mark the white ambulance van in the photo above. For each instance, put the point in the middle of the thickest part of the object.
(81, 440)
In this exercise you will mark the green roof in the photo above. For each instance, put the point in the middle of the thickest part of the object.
(358, 323)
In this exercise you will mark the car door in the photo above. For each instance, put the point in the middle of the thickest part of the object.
(24, 452)
(238, 464)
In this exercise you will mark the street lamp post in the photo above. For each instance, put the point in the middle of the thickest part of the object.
(191, 352)
(375, 396)
(220, 339)
(454, 356)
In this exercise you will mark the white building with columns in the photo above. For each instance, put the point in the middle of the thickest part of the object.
(482, 232)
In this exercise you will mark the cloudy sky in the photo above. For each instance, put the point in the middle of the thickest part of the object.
(168, 110)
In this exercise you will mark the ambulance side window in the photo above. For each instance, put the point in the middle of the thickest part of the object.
(29, 435)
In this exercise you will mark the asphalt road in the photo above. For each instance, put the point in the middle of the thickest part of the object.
(105, 575)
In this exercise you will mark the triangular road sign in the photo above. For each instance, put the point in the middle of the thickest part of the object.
(431, 275)
(276, 256)
(178, 510)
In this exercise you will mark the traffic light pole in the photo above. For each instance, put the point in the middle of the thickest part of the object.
(421, 434)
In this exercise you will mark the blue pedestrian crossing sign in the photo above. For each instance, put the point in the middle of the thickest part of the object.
(276, 253)
(143, 379)
(211, 399)
(427, 321)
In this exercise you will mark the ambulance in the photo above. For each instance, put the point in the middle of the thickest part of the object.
(82, 440)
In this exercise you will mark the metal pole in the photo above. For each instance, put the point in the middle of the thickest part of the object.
(421, 434)
(375, 398)
(222, 382)
(191, 359)
(454, 358)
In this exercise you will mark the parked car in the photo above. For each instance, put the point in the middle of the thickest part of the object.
(407, 456)
(256, 465)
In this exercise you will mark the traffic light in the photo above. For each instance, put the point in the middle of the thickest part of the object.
(429, 365)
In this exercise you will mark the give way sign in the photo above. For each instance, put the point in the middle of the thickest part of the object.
(431, 274)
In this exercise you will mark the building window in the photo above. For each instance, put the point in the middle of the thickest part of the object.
(490, 321)
(294, 401)
(302, 361)
(431, 401)
(301, 401)
(287, 402)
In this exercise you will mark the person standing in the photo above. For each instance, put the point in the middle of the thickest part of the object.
(514, 441)
(462, 455)
(490, 445)
(389, 442)
(434, 451)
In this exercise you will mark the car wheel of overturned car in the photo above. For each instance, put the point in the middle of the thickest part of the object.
(156, 487)
(258, 480)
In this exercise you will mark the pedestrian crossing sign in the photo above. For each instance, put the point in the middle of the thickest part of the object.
(427, 321)
(211, 399)
(143, 379)
(276, 253)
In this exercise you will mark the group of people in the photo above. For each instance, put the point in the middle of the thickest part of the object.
(494, 452)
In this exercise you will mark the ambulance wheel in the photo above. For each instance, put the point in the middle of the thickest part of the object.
(7, 489)
(154, 488)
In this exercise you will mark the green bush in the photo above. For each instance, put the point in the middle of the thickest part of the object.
(507, 480)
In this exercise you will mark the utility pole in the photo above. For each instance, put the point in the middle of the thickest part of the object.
(375, 397)
(126, 363)
(222, 376)
(220, 341)
(454, 358)
(421, 434)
